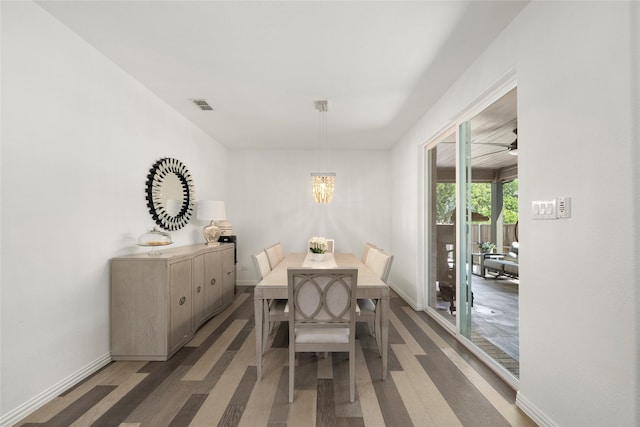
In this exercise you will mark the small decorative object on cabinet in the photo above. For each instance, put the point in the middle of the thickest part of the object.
(154, 238)
(231, 239)
(214, 211)
(157, 303)
(317, 257)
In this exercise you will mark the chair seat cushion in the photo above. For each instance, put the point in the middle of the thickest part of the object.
(322, 335)
(495, 264)
(511, 256)
(511, 267)
(278, 306)
(278, 310)
(365, 306)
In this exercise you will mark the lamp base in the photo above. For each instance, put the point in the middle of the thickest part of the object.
(211, 234)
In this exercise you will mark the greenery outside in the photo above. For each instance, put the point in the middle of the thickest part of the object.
(480, 201)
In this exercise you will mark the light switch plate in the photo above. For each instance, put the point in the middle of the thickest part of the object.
(544, 209)
(564, 207)
(558, 208)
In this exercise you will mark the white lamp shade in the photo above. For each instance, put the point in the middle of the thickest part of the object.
(211, 210)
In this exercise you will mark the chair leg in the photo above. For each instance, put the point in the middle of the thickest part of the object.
(292, 368)
(266, 325)
(371, 328)
(352, 373)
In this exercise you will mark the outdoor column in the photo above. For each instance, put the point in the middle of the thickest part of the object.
(497, 217)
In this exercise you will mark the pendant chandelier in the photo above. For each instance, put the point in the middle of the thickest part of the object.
(322, 183)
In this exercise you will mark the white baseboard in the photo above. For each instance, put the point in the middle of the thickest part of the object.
(533, 412)
(27, 408)
(406, 298)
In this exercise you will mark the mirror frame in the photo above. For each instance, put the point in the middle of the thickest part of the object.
(155, 203)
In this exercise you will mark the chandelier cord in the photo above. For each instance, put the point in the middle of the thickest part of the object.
(323, 184)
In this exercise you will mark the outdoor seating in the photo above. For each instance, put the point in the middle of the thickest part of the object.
(504, 264)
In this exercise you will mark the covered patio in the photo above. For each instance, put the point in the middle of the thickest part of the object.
(494, 319)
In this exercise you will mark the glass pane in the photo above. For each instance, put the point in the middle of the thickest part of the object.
(464, 267)
(441, 229)
(492, 203)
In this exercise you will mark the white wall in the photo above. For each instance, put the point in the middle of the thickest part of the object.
(577, 114)
(78, 138)
(269, 200)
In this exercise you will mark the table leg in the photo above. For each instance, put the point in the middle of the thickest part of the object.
(378, 326)
(258, 305)
(384, 320)
(265, 324)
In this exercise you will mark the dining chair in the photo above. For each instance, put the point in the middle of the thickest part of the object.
(367, 246)
(322, 315)
(275, 309)
(261, 262)
(274, 254)
(331, 243)
(380, 263)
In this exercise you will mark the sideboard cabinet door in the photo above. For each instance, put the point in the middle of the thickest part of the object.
(213, 283)
(180, 304)
(139, 314)
(229, 276)
(198, 291)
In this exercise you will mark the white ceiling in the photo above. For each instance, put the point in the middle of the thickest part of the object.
(261, 65)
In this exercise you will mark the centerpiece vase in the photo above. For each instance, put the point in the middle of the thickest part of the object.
(317, 257)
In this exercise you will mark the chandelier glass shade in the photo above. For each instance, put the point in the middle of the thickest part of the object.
(322, 184)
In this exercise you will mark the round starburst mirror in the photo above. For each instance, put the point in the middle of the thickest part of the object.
(170, 194)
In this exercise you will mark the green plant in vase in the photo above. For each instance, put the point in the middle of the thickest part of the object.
(486, 247)
(318, 245)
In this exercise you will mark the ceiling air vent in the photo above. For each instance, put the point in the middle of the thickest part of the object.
(202, 104)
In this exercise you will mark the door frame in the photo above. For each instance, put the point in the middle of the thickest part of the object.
(504, 84)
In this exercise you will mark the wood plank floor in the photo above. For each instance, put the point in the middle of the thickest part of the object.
(432, 380)
(495, 320)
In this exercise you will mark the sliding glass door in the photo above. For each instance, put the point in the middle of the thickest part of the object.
(471, 218)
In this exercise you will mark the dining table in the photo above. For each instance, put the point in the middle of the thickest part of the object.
(274, 286)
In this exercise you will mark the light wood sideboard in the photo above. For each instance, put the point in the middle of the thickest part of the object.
(158, 302)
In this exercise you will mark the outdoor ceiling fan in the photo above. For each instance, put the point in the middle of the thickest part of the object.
(504, 147)
(511, 148)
